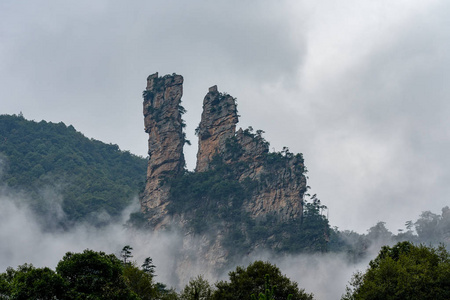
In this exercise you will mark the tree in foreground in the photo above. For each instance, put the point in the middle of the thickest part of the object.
(269, 293)
(140, 280)
(197, 289)
(404, 271)
(94, 275)
(28, 282)
(252, 280)
(88, 275)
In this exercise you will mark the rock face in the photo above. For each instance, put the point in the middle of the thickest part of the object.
(218, 124)
(282, 181)
(163, 123)
(237, 189)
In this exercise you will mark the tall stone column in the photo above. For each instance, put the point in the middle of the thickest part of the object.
(164, 125)
(218, 123)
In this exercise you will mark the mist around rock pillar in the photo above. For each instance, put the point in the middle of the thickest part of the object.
(241, 198)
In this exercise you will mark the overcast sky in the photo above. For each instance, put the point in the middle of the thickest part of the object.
(357, 86)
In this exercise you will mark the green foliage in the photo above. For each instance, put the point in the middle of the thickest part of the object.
(148, 267)
(197, 289)
(94, 275)
(309, 234)
(315, 227)
(28, 282)
(269, 291)
(256, 136)
(148, 96)
(433, 228)
(210, 199)
(208, 196)
(140, 282)
(430, 229)
(87, 275)
(218, 103)
(215, 196)
(137, 220)
(126, 254)
(233, 149)
(164, 293)
(280, 159)
(404, 271)
(252, 280)
(90, 176)
(353, 244)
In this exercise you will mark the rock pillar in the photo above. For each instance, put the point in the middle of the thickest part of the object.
(218, 123)
(163, 123)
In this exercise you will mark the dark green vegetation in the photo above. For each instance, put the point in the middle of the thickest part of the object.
(54, 163)
(96, 275)
(197, 289)
(215, 197)
(404, 271)
(269, 291)
(87, 275)
(253, 281)
(91, 177)
(428, 229)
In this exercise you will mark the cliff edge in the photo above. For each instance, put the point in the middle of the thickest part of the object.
(162, 120)
(240, 198)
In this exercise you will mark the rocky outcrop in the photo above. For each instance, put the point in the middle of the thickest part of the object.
(217, 125)
(163, 123)
(240, 196)
(281, 190)
(280, 175)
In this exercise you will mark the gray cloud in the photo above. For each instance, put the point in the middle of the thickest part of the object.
(358, 87)
(24, 241)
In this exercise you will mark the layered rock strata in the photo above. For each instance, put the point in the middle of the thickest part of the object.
(281, 183)
(270, 185)
(217, 125)
(280, 176)
(162, 120)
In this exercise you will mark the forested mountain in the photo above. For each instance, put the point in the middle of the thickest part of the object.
(97, 275)
(403, 271)
(429, 229)
(241, 197)
(54, 164)
(67, 178)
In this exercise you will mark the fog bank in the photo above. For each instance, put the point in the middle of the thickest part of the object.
(24, 240)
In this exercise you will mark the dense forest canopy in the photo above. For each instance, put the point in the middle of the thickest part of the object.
(94, 181)
(403, 271)
(54, 164)
(54, 161)
(97, 275)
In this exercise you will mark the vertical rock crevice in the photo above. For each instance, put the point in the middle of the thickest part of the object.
(278, 178)
(238, 186)
(162, 120)
(217, 125)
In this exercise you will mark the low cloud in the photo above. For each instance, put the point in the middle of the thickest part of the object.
(24, 240)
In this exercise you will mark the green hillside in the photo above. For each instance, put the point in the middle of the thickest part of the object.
(54, 163)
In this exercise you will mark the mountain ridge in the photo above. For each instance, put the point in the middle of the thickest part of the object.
(90, 180)
(240, 198)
